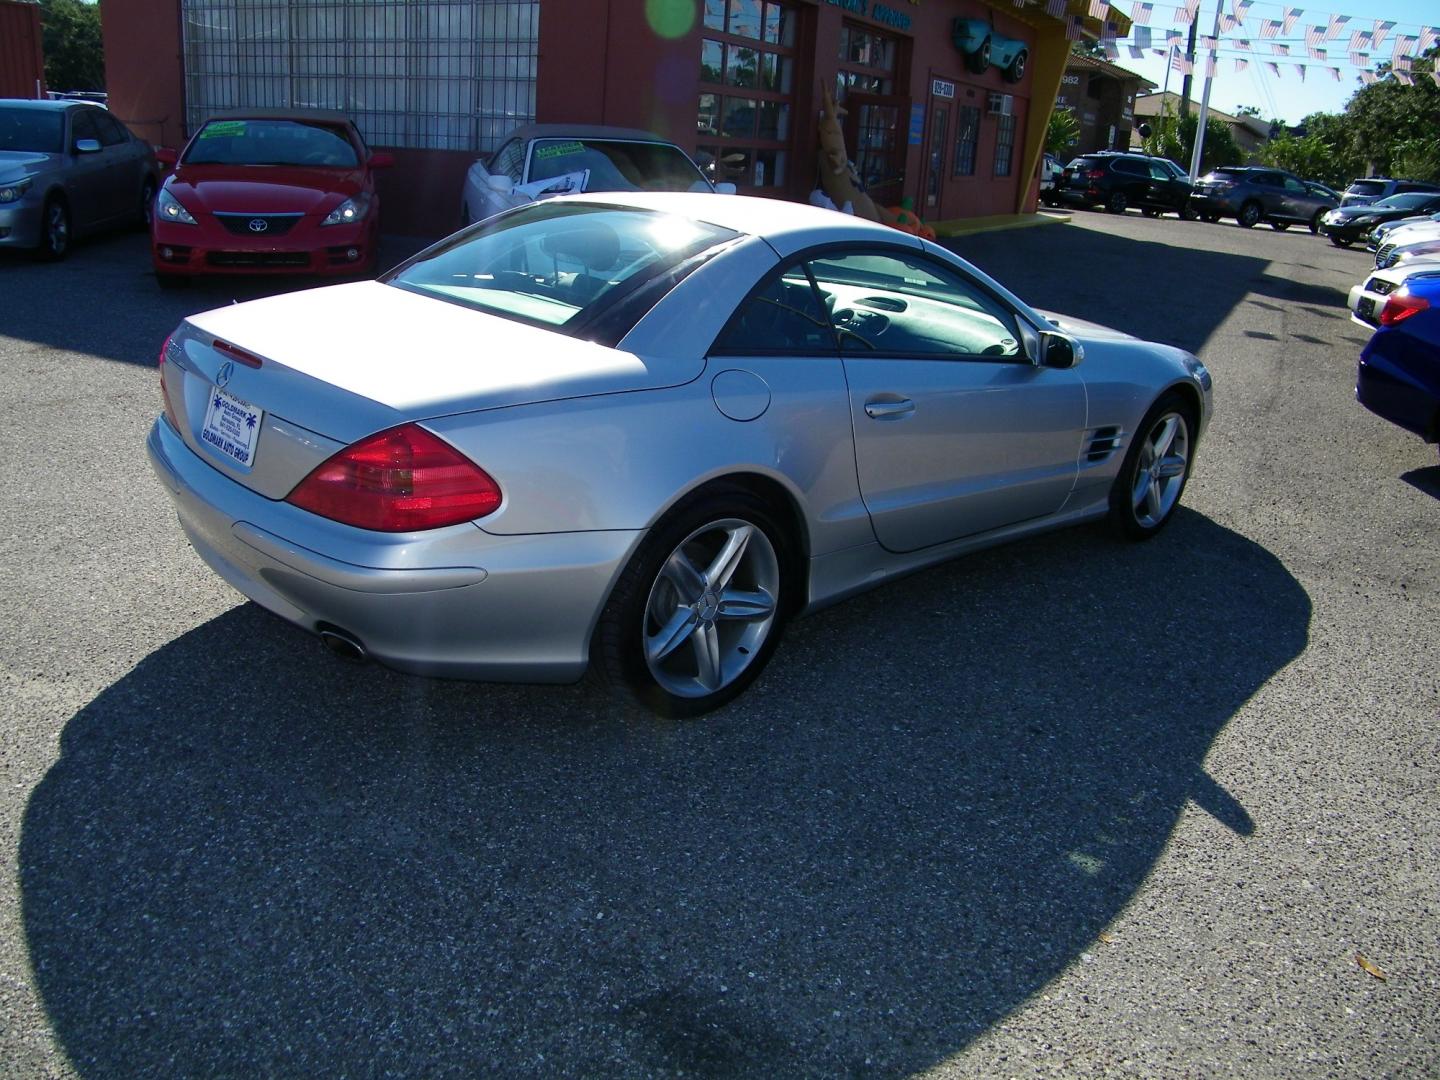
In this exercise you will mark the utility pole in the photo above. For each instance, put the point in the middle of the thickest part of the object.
(1205, 96)
(1190, 53)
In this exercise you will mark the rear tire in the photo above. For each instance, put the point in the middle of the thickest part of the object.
(701, 606)
(1315, 222)
(1117, 203)
(1186, 214)
(1156, 468)
(1279, 226)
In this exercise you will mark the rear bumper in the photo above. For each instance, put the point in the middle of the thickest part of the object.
(522, 610)
(1399, 380)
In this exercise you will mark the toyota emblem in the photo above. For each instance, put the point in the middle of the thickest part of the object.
(258, 224)
(222, 377)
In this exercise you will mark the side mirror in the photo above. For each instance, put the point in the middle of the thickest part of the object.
(382, 160)
(167, 157)
(500, 183)
(87, 146)
(1059, 350)
(725, 188)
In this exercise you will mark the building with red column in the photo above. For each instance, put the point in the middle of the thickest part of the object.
(737, 83)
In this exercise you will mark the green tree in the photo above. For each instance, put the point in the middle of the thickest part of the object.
(74, 50)
(1175, 139)
(1310, 157)
(1416, 159)
(1386, 114)
(1062, 132)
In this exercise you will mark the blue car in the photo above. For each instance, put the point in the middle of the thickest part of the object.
(983, 47)
(1399, 376)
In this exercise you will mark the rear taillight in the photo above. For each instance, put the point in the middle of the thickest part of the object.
(401, 480)
(1400, 306)
(1095, 174)
(164, 393)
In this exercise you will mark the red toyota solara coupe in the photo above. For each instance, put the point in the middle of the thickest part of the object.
(265, 192)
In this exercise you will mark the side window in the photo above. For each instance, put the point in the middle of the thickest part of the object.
(1293, 186)
(782, 317)
(901, 306)
(1159, 172)
(83, 126)
(1129, 168)
(112, 132)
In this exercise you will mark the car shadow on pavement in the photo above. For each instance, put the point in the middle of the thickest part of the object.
(253, 859)
(1426, 480)
(103, 299)
(1115, 280)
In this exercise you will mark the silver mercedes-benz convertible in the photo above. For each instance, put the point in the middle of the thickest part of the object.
(637, 433)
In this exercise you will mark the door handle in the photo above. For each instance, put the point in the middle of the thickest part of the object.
(889, 410)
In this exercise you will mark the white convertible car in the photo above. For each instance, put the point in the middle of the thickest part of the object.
(542, 160)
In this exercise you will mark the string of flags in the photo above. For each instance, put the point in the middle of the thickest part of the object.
(1321, 40)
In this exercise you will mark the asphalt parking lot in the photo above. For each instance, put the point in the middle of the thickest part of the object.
(1070, 807)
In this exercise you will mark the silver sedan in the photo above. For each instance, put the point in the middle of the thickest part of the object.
(638, 433)
(68, 168)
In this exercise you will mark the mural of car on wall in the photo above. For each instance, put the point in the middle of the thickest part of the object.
(983, 47)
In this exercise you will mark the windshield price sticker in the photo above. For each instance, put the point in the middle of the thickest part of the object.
(564, 149)
(223, 129)
(232, 427)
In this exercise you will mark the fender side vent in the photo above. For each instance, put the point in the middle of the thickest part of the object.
(1101, 443)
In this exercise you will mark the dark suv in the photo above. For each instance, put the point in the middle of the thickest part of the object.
(1120, 181)
(1251, 194)
(1369, 189)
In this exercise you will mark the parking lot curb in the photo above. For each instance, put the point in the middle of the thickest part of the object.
(995, 223)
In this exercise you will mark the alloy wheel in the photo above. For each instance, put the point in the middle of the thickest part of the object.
(1160, 470)
(711, 608)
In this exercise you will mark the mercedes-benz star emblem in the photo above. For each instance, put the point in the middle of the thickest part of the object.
(258, 224)
(227, 369)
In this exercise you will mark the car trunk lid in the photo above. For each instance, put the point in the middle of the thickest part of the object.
(322, 368)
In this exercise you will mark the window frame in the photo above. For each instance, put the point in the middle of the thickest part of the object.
(1004, 135)
(974, 143)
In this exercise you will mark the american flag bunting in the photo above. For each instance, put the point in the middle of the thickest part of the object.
(1300, 70)
(1141, 15)
(1381, 32)
(1336, 73)
(1279, 50)
(1291, 14)
(1337, 23)
(1241, 65)
(1269, 28)
(1099, 9)
(1274, 68)
(1242, 8)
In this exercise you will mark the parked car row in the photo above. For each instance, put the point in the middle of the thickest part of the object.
(277, 190)
(1399, 371)
(1248, 194)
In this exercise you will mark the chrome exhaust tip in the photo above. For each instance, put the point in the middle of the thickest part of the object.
(346, 646)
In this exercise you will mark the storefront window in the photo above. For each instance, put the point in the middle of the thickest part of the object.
(868, 63)
(747, 74)
(1004, 144)
(967, 138)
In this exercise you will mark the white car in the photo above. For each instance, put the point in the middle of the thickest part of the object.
(1414, 243)
(1368, 298)
(540, 160)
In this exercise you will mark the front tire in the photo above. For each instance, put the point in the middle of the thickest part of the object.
(980, 58)
(1249, 215)
(55, 230)
(700, 608)
(1279, 226)
(1156, 467)
(1340, 241)
(147, 205)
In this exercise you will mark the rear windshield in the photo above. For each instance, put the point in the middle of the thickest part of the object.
(272, 142)
(1365, 187)
(37, 130)
(555, 264)
(616, 166)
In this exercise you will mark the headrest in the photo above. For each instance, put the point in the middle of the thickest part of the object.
(595, 246)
